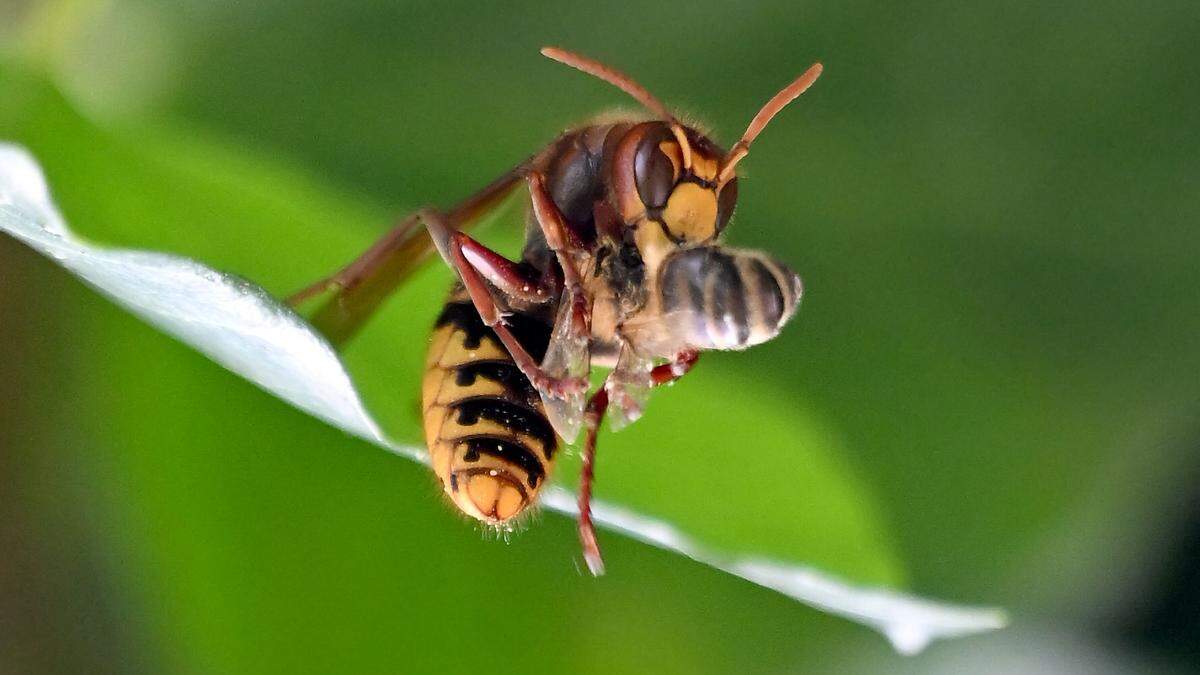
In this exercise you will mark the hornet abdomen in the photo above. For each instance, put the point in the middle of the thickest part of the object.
(489, 441)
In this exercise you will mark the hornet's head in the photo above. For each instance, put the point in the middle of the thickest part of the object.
(671, 182)
(665, 176)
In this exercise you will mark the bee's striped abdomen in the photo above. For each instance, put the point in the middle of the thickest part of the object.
(720, 298)
(489, 440)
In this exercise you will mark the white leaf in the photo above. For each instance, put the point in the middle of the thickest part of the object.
(241, 327)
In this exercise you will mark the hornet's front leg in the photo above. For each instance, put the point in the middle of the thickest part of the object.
(561, 240)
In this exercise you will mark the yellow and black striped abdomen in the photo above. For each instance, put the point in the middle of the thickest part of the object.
(489, 441)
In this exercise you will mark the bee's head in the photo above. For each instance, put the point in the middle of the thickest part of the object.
(666, 176)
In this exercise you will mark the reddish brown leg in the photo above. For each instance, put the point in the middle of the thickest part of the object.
(451, 244)
(560, 240)
(592, 416)
(508, 277)
(669, 372)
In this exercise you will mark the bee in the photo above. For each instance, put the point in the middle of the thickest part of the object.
(622, 268)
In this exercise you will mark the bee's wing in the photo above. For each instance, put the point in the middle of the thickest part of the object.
(567, 356)
(628, 388)
(358, 289)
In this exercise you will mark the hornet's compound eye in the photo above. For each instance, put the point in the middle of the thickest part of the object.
(654, 171)
(725, 203)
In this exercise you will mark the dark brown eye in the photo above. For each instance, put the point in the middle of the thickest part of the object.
(654, 173)
(725, 203)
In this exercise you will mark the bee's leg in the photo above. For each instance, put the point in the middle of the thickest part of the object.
(560, 240)
(592, 416)
(629, 383)
(669, 372)
(470, 266)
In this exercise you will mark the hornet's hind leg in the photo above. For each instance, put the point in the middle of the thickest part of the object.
(593, 415)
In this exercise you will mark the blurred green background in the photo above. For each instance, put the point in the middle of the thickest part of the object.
(990, 395)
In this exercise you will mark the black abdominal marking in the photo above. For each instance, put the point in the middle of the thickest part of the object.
(509, 415)
(504, 373)
(505, 449)
(532, 333)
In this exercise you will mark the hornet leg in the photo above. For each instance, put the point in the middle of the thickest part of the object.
(463, 257)
(560, 240)
(596, 407)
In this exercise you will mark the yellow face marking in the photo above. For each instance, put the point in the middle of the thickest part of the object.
(674, 153)
(705, 168)
(691, 213)
(652, 243)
